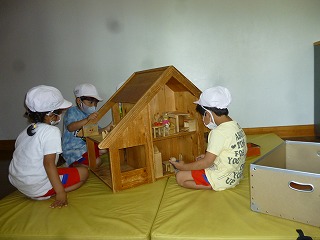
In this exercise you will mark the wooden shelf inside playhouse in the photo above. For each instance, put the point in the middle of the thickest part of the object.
(175, 135)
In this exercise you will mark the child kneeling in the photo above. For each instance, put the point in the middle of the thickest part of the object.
(33, 168)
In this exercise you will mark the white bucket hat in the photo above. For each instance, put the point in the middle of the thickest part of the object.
(218, 97)
(87, 90)
(44, 98)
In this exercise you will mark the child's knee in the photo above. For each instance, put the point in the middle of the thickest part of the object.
(84, 173)
(179, 178)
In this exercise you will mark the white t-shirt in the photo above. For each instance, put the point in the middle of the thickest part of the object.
(26, 170)
(228, 142)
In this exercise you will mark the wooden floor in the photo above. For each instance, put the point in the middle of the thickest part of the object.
(5, 158)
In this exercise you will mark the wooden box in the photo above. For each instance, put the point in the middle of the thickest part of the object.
(132, 142)
(90, 130)
(286, 182)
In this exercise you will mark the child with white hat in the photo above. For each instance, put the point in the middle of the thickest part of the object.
(74, 147)
(33, 168)
(221, 167)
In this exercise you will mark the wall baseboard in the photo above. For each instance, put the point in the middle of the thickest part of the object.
(284, 131)
(7, 145)
(281, 131)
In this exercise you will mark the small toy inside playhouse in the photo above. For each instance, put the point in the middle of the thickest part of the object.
(169, 123)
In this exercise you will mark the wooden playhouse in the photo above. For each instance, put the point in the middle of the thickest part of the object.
(154, 119)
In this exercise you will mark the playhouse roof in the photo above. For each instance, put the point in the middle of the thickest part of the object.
(139, 90)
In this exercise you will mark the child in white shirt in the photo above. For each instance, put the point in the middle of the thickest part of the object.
(33, 168)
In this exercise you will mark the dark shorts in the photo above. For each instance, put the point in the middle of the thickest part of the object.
(70, 176)
(200, 178)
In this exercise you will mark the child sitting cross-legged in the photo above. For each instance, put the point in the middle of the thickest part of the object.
(221, 167)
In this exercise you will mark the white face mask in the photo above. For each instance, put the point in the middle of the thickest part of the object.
(210, 125)
(53, 123)
(86, 109)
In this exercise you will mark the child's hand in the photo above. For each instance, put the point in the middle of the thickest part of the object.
(177, 164)
(110, 127)
(92, 116)
(61, 201)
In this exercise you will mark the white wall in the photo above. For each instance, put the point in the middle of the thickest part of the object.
(262, 50)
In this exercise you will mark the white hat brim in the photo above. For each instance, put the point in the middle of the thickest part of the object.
(65, 104)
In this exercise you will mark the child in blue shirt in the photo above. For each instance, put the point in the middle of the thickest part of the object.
(74, 147)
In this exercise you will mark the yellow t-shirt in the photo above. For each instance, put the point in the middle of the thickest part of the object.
(228, 142)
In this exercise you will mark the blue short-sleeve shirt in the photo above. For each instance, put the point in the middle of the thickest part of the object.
(72, 146)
